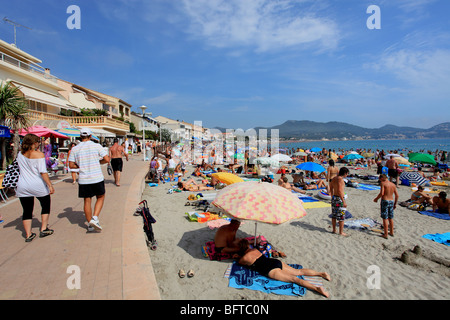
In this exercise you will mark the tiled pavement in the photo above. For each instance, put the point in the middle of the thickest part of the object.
(111, 265)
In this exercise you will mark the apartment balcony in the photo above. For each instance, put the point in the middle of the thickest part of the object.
(33, 69)
(93, 122)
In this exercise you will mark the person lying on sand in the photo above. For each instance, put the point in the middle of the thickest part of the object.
(285, 184)
(276, 269)
(191, 185)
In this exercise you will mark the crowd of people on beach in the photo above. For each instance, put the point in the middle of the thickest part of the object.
(85, 160)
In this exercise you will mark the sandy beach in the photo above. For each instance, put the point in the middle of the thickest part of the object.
(310, 243)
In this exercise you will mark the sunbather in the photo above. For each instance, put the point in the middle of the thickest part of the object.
(191, 185)
(421, 197)
(276, 269)
(285, 184)
(316, 185)
(441, 203)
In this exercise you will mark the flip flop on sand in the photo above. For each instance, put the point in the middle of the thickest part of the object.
(181, 273)
(190, 273)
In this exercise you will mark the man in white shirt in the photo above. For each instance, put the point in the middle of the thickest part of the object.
(87, 157)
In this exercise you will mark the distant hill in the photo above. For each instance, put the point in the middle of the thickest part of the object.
(310, 130)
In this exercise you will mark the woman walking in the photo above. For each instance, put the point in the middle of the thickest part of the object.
(33, 182)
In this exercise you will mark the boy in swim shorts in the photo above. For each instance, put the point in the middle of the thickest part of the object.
(389, 197)
(338, 204)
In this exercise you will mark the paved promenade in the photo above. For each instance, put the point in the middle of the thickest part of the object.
(112, 265)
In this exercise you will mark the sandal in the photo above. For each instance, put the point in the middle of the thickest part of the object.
(45, 233)
(31, 237)
(181, 273)
(190, 273)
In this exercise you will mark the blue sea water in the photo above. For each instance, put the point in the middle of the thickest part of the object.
(408, 145)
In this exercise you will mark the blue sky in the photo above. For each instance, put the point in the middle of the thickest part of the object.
(247, 63)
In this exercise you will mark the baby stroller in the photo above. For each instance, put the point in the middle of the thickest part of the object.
(144, 211)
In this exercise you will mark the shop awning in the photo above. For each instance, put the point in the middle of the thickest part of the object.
(51, 124)
(42, 97)
(103, 133)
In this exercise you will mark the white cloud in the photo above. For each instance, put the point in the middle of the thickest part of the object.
(420, 69)
(161, 99)
(261, 24)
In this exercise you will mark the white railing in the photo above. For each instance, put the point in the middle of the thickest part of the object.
(30, 67)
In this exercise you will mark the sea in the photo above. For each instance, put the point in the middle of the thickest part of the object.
(405, 145)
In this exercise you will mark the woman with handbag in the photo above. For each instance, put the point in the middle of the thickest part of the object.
(33, 182)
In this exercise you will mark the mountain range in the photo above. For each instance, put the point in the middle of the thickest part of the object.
(311, 130)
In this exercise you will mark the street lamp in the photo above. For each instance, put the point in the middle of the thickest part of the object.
(143, 108)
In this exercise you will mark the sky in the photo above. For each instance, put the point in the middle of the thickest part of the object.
(249, 63)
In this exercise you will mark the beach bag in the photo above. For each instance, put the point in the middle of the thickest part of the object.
(148, 221)
(12, 174)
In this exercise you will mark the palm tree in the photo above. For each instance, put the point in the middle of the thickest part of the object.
(13, 113)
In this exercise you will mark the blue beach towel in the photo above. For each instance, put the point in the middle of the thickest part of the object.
(244, 278)
(443, 238)
(443, 216)
(367, 187)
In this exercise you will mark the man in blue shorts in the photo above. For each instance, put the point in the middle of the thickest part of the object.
(389, 197)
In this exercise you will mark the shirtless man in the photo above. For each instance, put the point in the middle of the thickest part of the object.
(389, 198)
(392, 166)
(285, 184)
(115, 153)
(338, 204)
(441, 203)
(225, 239)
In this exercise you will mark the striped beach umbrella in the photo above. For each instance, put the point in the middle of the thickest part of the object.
(260, 202)
(413, 177)
(73, 133)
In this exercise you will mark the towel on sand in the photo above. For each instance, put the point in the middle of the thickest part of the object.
(367, 187)
(244, 278)
(443, 238)
(443, 216)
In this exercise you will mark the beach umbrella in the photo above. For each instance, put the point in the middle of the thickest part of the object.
(311, 166)
(266, 161)
(422, 158)
(401, 160)
(42, 132)
(73, 133)
(352, 156)
(316, 149)
(368, 154)
(227, 178)
(300, 154)
(259, 202)
(413, 177)
(333, 156)
(388, 156)
(281, 157)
